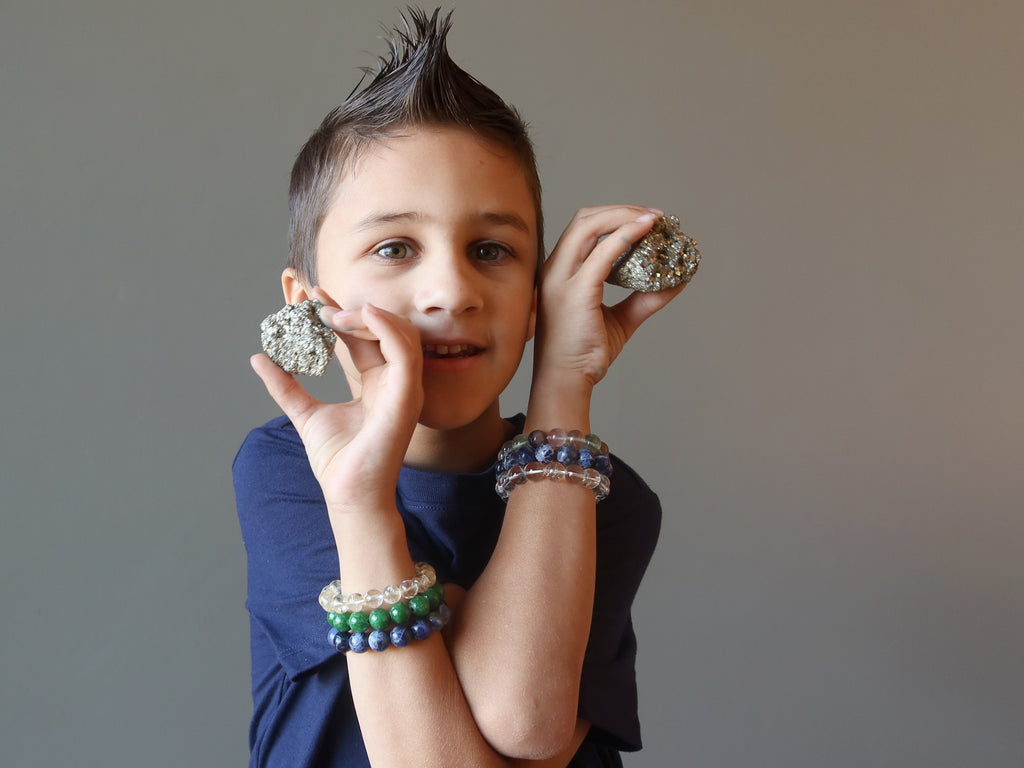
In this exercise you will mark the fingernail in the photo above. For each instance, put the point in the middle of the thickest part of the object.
(335, 317)
(657, 211)
(645, 217)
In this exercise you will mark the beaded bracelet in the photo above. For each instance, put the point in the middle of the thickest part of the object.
(333, 600)
(397, 626)
(555, 455)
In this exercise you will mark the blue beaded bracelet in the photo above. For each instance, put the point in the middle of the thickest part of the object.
(554, 455)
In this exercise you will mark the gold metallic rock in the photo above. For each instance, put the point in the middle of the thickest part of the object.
(297, 340)
(663, 258)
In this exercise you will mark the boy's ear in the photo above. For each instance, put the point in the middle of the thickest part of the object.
(294, 288)
(532, 328)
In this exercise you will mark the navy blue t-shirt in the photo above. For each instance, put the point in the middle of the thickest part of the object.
(303, 713)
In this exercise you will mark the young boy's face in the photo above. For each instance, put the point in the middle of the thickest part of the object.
(439, 226)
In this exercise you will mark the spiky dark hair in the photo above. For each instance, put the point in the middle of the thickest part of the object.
(416, 84)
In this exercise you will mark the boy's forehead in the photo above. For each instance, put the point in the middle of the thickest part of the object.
(427, 168)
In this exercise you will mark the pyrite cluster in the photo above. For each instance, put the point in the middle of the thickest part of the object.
(663, 258)
(297, 340)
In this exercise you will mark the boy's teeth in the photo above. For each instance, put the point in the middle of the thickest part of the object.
(445, 350)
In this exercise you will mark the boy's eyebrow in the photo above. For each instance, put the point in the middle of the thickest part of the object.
(509, 219)
(492, 217)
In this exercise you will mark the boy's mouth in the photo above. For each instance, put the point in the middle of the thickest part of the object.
(449, 350)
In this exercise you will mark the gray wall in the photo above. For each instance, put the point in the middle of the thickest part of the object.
(831, 413)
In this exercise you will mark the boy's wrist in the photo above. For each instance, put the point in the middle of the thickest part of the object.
(372, 547)
(561, 402)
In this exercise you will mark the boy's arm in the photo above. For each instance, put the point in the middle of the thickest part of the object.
(521, 633)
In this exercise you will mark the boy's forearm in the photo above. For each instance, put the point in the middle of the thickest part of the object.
(521, 633)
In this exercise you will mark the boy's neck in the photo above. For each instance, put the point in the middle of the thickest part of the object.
(468, 449)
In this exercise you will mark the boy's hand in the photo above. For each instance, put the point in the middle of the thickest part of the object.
(576, 333)
(356, 449)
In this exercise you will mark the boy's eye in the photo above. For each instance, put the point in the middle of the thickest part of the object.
(393, 251)
(490, 252)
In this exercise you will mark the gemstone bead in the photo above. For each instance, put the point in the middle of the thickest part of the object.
(557, 438)
(374, 598)
(378, 640)
(400, 613)
(434, 596)
(358, 622)
(574, 474)
(555, 471)
(567, 454)
(427, 572)
(410, 588)
(535, 470)
(338, 639)
(392, 594)
(603, 464)
(420, 605)
(357, 643)
(436, 622)
(523, 456)
(537, 438)
(354, 602)
(400, 636)
(380, 619)
(591, 478)
(585, 458)
(516, 475)
(420, 629)
(544, 453)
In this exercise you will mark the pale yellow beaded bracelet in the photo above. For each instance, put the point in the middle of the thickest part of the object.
(333, 600)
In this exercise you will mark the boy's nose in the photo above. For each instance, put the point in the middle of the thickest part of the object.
(449, 284)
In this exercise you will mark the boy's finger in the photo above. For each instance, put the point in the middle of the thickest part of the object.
(400, 339)
(364, 351)
(598, 263)
(290, 396)
(382, 337)
(633, 310)
(585, 231)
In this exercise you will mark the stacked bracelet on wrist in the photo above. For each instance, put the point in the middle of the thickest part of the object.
(379, 619)
(555, 455)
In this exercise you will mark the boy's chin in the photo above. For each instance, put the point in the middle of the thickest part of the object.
(455, 414)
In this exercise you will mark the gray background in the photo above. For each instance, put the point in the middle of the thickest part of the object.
(831, 413)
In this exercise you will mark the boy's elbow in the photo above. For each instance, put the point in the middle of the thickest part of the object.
(528, 729)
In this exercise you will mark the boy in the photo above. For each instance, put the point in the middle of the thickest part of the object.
(416, 220)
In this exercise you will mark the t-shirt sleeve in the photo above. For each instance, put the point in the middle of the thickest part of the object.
(628, 524)
(289, 545)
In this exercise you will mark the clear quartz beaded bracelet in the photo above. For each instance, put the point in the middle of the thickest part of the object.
(556, 455)
(334, 600)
